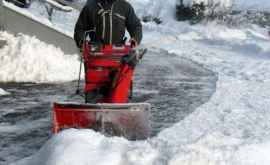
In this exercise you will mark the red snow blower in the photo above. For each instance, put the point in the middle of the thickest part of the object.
(108, 87)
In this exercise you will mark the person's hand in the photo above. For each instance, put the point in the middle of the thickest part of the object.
(133, 43)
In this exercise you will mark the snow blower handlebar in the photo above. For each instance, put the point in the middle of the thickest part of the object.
(125, 52)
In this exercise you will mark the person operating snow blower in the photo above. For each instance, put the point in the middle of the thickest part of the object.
(108, 19)
(109, 64)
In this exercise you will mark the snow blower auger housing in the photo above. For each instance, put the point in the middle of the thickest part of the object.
(108, 87)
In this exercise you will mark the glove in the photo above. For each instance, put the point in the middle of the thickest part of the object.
(133, 43)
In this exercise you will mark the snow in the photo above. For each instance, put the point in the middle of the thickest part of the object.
(41, 16)
(252, 5)
(220, 131)
(102, 150)
(59, 6)
(221, 4)
(165, 9)
(156, 8)
(238, 112)
(235, 4)
(231, 128)
(62, 21)
(3, 92)
(35, 61)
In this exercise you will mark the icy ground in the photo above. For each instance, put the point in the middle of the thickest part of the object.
(233, 127)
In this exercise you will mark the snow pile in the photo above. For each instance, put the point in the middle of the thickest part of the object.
(91, 147)
(2, 92)
(229, 129)
(26, 59)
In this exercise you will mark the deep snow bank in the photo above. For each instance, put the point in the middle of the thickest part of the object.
(26, 59)
(84, 147)
(230, 129)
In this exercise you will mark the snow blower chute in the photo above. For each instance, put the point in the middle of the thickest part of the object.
(108, 88)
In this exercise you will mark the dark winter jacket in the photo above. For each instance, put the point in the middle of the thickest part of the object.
(109, 18)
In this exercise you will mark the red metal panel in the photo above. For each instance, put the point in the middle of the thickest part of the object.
(128, 120)
(97, 76)
(101, 64)
(65, 117)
